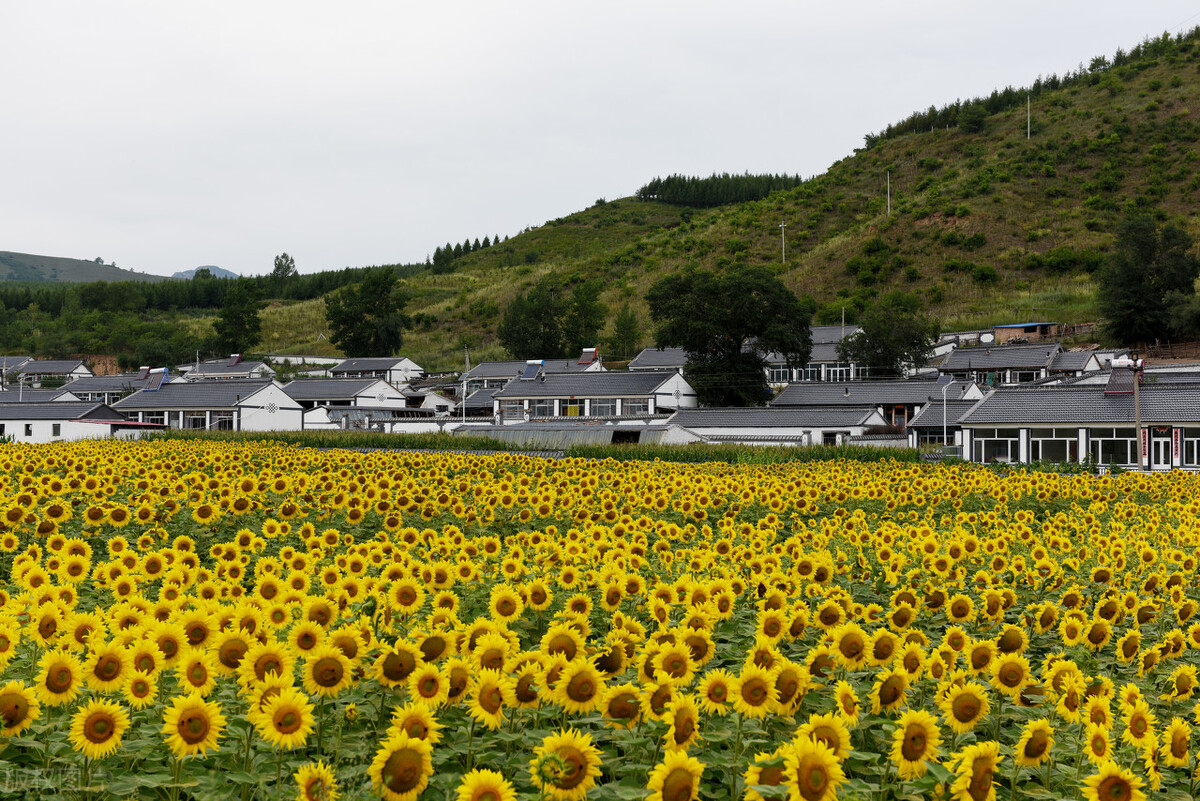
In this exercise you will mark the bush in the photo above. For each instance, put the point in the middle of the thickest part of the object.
(984, 274)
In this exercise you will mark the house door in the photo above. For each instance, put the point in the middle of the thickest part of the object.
(1160, 449)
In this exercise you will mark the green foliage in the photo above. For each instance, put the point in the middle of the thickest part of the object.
(368, 319)
(1149, 264)
(892, 334)
(626, 338)
(715, 190)
(239, 326)
(551, 321)
(727, 323)
(984, 274)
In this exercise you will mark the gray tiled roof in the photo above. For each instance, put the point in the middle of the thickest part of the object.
(930, 416)
(329, 388)
(28, 395)
(13, 362)
(1085, 404)
(513, 368)
(858, 393)
(831, 334)
(367, 365)
(659, 359)
(50, 367)
(1001, 357)
(1073, 360)
(772, 417)
(225, 368)
(64, 410)
(480, 399)
(607, 384)
(192, 395)
(106, 383)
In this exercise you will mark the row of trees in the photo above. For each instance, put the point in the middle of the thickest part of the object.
(715, 190)
(1147, 289)
(970, 114)
(444, 257)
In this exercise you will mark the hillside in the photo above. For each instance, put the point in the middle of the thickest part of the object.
(986, 225)
(29, 267)
(215, 271)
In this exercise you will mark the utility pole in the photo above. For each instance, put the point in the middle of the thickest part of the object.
(1142, 438)
(783, 242)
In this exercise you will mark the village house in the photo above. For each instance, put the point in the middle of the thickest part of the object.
(374, 392)
(538, 394)
(394, 370)
(111, 388)
(896, 401)
(230, 369)
(229, 405)
(757, 425)
(36, 423)
(494, 375)
(51, 373)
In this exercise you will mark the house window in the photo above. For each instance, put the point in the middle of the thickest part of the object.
(512, 409)
(223, 421)
(56, 429)
(779, 374)
(812, 372)
(1025, 376)
(1190, 446)
(632, 406)
(572, 408)
(1, 429)
(1113, 445)
(29, 429)
(838, 372)
(154, 417)
(1054, 445)
(604, 407)
(997, 445)
(541, 408)
(195, 420)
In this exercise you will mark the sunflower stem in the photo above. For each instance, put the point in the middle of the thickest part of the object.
(279, 777)
(1012, 781)
(321, 727)
(737, 758)
(471, 745)
(176, 777)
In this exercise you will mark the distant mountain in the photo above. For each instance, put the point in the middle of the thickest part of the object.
(217, 272)
(29, 267)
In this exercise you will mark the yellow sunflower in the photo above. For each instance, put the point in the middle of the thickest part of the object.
(97, 728)
(754, 694)
(487, 698)
(829, 729)
(974, 768)
(915, 741)
(485, 785)
(579, 687)
(813, 770)
(565, 765)
(19, 708)
(676, 778)
(327, 671)
(285, 719)
(1113, 783)
(683, 718)
(401, 768)
(192, 725)
(316, 782)
(1033, 748)
(59, 678)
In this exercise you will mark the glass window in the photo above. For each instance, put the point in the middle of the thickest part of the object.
(195, 420)
(512, 409)
(779, 374)
(838, 372)
(604, 407)
(542, 407)
(29, 429)
(632, 406)
(572, 408)
(223, 421)
(56, 429)
(812, 372)
(154, 417)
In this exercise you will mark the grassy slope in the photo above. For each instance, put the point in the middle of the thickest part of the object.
(1096, 150)
(29, 267)
(1126, 141)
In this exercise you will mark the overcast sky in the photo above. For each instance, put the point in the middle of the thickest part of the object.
(167, 135)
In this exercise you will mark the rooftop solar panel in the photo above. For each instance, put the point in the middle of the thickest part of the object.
(155, 380)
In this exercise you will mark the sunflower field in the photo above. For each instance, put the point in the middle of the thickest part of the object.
(224, 620)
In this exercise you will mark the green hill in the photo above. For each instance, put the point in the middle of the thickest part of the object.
(29, 267)
(986, 224)
(964, 208)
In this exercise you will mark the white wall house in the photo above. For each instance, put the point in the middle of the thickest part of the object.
(757, 425)
(592, 394)
(66, 421)
(229, 405)
(310, 392)
(395, 371)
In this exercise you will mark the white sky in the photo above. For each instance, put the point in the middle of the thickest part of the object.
(167, 135)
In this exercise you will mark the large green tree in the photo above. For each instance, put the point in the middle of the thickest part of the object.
(727, 323)
(239, 326)
(367, 318)
(1149, 263)
(626, 338)
(551, 322)
(892, 334)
